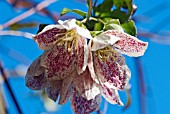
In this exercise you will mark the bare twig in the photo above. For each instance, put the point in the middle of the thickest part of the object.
(16, 33)
(141, 84)
(105, 107)
(3, 73)
(28, 13)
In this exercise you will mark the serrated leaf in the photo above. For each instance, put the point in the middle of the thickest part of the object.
(130, 28)
(77, 11)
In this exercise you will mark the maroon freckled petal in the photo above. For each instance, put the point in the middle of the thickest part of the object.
(85, 85)
(111, 95)
(82, 55)
(128, 44)
(46, 39)
(53, 89)
(35, 68)
(110, 72)
(67, 88)
(82, 106)
(35, 82)
(58, 61)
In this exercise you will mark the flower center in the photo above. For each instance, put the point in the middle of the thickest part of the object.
(106, 53)
(69, 40)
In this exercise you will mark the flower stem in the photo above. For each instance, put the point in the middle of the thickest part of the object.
(89, 2)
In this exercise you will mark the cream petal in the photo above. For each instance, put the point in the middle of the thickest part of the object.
(128, 44)
(82, 55)
(90, 64)
(111, 95)
(85, 85)
(80, 105)
(71, 24)
(103, 40)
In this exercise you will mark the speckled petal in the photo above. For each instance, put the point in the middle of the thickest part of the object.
(67, 88)
(48, 36)
(112, 72)
(85, 85)
(53, 89)
(82, 106)
(90, 64)
(111, 95)
(58, 61)
(35, 82)
(82, 55)
(35, 69)
(128, 44)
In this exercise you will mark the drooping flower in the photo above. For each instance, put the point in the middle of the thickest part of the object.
(65, 54)
(65, 49)
(61, 70)
(108, 67)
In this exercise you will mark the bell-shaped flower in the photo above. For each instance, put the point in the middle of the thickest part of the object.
(107, 66)
(65, 48)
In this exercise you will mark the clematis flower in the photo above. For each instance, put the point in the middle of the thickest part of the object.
(70, 69)
(108, 67)
(65, 49)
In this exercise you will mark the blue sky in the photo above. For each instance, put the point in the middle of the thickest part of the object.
(155, 62)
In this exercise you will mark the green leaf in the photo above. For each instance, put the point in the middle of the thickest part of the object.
(130, 28)
(105, 6)
(77, 11)
(118, 14)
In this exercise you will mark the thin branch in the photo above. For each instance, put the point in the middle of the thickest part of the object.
(28, 13)
(105, 107)
(141, 85)
(16, 33)
(89, 10)
(3, 73)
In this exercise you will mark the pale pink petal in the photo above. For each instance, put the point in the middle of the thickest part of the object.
(112, 72)
(67, 88)
(82, 106)
(46, 39)
(58, 61)
(128, 44)
(35, 82)
(35, 69)
(85, 85)
(53, 89)
(111, 95)
(82, 55)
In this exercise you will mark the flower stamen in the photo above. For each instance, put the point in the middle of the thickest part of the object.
(106, 53)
